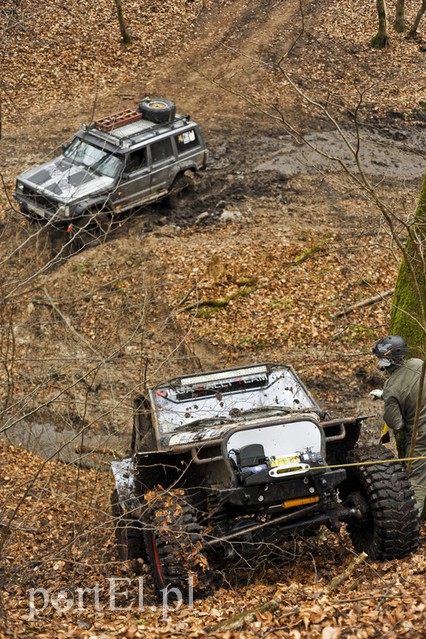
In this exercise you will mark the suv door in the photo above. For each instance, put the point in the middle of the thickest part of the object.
(163, 165)
(135, 186)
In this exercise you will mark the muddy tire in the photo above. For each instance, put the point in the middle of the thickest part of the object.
(157, 110)
(128, 533)
(174, 544)
(59, 249)
(389, 527)
(179, 190)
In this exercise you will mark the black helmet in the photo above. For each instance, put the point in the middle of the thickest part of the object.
(390, 350)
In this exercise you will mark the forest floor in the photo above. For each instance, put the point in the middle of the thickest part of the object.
(276, 232)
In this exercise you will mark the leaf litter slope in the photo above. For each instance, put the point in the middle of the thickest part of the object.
(62, 540)
(296, 252)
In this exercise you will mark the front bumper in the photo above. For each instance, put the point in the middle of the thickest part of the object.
(272, 495)
(42, 208)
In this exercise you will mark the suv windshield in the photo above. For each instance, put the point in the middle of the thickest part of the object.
(93, 158)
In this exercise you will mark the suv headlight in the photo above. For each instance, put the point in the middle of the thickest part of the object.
(64, 209)
(19, 186)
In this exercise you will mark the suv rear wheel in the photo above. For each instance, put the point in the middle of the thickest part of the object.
(389, 524)
(183, 182)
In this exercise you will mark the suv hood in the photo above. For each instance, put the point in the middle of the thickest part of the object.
(207, 433)
(202, 406)
(64, 181)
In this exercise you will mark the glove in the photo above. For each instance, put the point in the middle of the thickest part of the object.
(376, 394)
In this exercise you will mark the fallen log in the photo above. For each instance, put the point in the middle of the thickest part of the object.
(83, 449)
(368, 302)
(220, 302)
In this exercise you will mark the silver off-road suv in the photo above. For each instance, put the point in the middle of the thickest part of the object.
(119, 162)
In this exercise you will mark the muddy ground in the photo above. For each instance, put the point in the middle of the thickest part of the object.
(255, 187)
(85, 334)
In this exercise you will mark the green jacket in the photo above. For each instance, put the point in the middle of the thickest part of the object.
(400, 396)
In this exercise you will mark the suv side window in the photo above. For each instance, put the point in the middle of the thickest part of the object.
(186, 141)
(136, 160)
(161, 150)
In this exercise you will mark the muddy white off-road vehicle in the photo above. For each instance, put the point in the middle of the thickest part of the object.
(226, 463)
(126, 160)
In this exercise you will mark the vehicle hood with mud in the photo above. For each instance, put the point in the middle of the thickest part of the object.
(66, 185)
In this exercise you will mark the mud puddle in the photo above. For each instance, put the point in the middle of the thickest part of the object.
(386, 153)
(247, 166)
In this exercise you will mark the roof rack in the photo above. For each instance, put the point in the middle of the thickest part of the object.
(118, 119)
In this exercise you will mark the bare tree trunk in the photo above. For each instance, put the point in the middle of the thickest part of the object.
(381, 39)
(7, 352)
(413, 30)
(125, 35)
(399, 24)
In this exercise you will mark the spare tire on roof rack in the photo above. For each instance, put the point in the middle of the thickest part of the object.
(157, 110)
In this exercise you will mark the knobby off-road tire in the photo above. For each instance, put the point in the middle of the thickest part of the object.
(128, 533)
(174, 544)
(89, 230)
(389, 528)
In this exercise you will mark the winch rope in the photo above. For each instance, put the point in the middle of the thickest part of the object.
(373, 462)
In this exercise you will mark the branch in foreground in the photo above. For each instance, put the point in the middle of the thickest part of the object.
(339, 579)
(234, 623)
(8, 527)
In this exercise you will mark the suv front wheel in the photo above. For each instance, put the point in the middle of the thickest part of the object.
(128, 533)
(388, 523)
(174, 544)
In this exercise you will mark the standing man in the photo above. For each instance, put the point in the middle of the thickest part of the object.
(400, 394)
